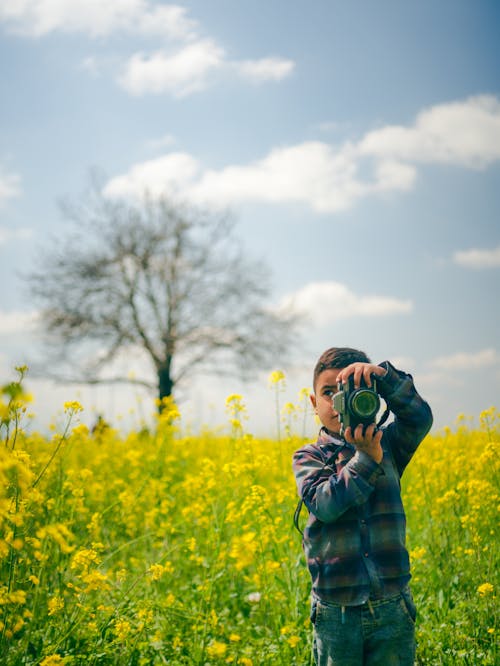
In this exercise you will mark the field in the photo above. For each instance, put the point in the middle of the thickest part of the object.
(161, 547)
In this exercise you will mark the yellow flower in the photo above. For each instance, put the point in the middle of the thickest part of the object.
(214, 620)
(418, 553)
(14, 597)
(277, 377)
(485, 589)
(217, 649)
(52, 660)
(18, 626)
(122, 629)
(81, 429)
(233, 398)
(55, 605)
(84, 558)
(156, 571)
(293, 640)
(288, 409)
(59, 533)
(169, 412)
(73, 407)
(95, 580)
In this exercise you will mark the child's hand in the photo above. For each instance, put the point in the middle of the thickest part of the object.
(366, 439)
(358, 370)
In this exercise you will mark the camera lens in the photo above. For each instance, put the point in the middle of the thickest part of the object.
(365, 404)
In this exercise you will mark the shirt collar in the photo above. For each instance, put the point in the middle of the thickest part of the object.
(328, 438)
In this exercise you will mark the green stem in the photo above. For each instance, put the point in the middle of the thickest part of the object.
(54, 453)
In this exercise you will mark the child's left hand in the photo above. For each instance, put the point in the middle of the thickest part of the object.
(367, 439)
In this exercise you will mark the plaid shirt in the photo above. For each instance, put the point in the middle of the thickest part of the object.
(354, 541)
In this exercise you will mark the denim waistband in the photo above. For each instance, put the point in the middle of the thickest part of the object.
(372, 603)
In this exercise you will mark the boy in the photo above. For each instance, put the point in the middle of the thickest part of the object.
(354, 541)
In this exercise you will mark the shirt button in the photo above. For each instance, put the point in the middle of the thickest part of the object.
(366, 554)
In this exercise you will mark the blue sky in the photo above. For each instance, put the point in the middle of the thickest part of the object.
(357, 144)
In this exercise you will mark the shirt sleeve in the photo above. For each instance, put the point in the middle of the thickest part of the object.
(413, 416)
(328, 493)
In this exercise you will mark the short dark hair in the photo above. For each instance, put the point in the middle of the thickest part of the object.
(338, 358)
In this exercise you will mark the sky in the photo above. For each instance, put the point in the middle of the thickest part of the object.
(356, 143)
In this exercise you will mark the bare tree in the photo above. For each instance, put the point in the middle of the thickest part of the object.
(164, 277)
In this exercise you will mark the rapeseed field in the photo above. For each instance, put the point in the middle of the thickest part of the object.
(162, 547)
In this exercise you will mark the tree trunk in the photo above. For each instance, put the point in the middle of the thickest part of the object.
(165, 382)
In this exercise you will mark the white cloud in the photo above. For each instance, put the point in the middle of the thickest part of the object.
(35, 18)
(312, 173)
(168, 173)
(467, 360)
(475, 258)
(326, 302)
(265, 69)
(180, 74)
(330, 178)
(188, 69)
(465, 133)
(17, 322)
(7, 235)
(10, 186)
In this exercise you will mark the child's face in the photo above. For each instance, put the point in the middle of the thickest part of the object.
(326, 386)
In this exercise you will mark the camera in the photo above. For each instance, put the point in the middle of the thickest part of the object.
(356, 405)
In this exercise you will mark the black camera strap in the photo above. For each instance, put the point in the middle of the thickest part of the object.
(296, 516)
(384, 417)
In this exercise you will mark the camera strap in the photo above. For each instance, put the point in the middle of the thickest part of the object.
(296, 515)
(384, 417)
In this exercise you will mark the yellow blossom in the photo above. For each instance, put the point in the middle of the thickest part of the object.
(73, 407)
(55, 604)
(418, 553)
(84, 558)
(233, 398)
(156, 571)
(80, 430)
(217, 649)
(277, 378)
(122, 629)
(485, 589)
(52, 660)
(95, 580)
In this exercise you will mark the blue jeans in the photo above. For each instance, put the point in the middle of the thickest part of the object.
(377, 633)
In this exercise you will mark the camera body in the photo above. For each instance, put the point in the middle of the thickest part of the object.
(356, 406)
